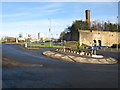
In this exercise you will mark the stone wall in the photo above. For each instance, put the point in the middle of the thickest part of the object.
(106, 38)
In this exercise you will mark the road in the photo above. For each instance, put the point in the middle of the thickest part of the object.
(24, 68)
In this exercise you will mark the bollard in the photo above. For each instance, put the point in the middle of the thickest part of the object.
(69, 51)
(77, 52)
(74, 52)
(63, 50)
(60, 49)
(82, 53)
(26, 45)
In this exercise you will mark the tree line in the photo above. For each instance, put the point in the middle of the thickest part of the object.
(105, 26)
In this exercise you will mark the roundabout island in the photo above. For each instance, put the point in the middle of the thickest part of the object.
(80, 56)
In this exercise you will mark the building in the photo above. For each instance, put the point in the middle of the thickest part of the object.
(41, 35)
(31, 37)
(73, 35)
(92, 37)
(99, 38)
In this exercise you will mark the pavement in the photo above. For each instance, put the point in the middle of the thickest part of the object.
(24, 68)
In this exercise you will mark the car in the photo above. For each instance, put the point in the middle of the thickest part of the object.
(96, 47)
(88, 47)
(101, 47)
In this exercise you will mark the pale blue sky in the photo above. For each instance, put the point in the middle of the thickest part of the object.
(33, 17)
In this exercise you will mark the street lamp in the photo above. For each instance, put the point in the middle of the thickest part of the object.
(50, 32)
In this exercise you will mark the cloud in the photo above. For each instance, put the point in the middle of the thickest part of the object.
(14, 15)
(53, 10)
(37, 23)
(48, 9)
(49, 6)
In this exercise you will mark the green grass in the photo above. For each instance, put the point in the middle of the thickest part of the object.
(45, 45)
(69, 44)
(40, 44)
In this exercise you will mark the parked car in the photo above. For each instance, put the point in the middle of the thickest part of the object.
(101, 47)
(88, 47)
(96, 47)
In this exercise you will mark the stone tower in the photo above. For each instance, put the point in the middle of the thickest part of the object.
(88, 18)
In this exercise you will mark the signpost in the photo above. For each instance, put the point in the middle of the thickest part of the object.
(94, 49)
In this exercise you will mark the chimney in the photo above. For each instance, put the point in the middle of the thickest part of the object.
(88, 18)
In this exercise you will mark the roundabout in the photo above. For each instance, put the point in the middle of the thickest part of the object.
(93, 59)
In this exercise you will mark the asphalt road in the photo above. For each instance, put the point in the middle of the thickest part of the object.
(24, 68)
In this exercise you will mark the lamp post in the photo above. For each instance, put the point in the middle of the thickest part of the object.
(50, 32)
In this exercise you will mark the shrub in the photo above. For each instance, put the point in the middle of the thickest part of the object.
(84, 45)
(115, 45)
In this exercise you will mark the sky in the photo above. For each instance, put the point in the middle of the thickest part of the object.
(35, 17)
